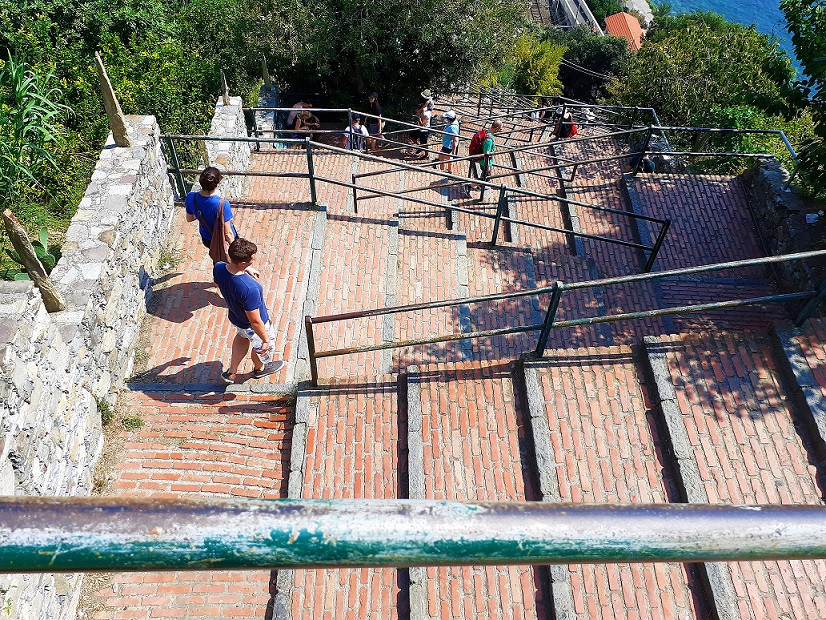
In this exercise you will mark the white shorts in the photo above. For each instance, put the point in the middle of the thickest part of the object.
(249, 332)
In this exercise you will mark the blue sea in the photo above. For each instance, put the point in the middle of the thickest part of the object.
(765, 14)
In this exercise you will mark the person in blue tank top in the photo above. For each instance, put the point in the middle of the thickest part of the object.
(203, 206)
(244, 295)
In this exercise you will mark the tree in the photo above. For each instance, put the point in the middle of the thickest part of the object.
(807, 23)
(588, 62)
(692, 62)
(603, 8)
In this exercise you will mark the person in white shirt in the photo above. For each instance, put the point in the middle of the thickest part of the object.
(355, 136)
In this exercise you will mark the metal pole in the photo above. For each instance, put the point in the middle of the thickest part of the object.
(500, 209)
(553, 305)
(308, 327)
(311, 171)
(350, 127)
(811, 306)
(73, 534)
(656, 249)
(355, 194)
(176, 162)
(645, 148)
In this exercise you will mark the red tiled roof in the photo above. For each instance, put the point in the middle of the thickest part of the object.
(626, 26)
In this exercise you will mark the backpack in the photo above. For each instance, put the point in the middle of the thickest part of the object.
(574, 129)
(476, 142)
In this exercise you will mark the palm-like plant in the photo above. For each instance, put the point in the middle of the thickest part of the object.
(29, 122)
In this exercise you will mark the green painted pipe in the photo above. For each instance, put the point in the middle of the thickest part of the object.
(116, 534)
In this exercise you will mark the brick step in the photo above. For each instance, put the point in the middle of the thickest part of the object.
(739, 438)
(596, 441)
(467, 443)
(195, 445)
(349, 442)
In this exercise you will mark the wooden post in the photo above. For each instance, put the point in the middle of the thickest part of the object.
(117, 122)
(267, 80)
(202, 146)
(52, 298)
(224, 88)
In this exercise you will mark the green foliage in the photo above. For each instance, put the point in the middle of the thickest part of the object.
(606, 55)
(603, 8)
(106, 412)
(47, 255)
(132, 422)
(29, 123)
(693, 62)
(807, 23)
(532, 68)
(395, 47)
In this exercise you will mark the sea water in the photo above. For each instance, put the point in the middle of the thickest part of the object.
(766, 15)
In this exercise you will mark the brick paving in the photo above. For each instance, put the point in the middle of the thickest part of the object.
(472, 435)
(748, 450)
(196, 445)
(603, 437)
(352, 452)
(189, 335)
(606, 450)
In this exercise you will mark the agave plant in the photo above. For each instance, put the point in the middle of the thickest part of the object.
(48, 256)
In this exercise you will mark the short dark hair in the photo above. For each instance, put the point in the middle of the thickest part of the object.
(210, 178)
(241, 250)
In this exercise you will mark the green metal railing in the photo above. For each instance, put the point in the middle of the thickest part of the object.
(69, 534)
(556, 291)
(499, 217)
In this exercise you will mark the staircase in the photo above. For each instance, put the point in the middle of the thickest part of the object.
(721, 407)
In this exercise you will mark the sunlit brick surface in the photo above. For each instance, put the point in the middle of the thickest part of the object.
(749, 451)
(604, 446)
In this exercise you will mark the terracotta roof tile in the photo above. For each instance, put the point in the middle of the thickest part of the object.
(626, 26)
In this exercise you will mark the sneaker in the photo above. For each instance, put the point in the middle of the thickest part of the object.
(226, 377)
(268, 369)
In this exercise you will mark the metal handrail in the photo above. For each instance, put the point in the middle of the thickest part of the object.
(73, 534)
(556, 291)
(498, 218)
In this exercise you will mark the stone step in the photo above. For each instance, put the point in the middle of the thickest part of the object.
(596, 441)
(348, 443)
(738, 438)
(466, 438)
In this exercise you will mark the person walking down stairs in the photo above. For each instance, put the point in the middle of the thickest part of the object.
(239, 285)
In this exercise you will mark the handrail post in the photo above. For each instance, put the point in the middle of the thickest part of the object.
(350, 127)
(355, 194)
(553, 305)
(311, 171)
(308, 327)
(656, 249)
(179, 177)
(500, 209)
(646, 145)
(811, 305)
(633, 118)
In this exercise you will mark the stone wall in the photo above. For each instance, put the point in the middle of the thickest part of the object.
(227, 122)
(786, 224)
(54, 368)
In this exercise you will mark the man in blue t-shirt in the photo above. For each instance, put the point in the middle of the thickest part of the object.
(244, 295)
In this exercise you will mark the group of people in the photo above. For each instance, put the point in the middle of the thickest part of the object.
(237, 279)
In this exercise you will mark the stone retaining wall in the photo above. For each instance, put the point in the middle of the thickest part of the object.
(786, 224)
(227, 122)
(54, 368)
